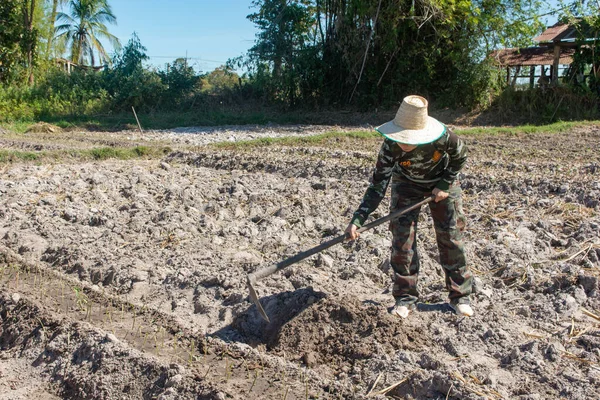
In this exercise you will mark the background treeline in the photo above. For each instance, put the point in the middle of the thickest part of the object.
(308, 54)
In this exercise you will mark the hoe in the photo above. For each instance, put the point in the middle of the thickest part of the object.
(264, 272)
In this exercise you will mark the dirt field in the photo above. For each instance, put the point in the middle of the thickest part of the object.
(126, 279)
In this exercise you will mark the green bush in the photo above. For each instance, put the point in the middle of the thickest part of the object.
(545, 105)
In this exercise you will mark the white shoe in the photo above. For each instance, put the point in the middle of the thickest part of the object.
(462, 309)
(401, 311)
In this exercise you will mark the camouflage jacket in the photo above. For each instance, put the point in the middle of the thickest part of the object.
(435, 164)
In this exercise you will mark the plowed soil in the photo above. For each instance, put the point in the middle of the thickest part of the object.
(126, 279)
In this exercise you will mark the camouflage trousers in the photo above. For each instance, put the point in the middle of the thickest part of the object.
(449, 222)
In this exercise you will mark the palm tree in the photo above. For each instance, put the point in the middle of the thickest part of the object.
(55, 5)
(83, 27)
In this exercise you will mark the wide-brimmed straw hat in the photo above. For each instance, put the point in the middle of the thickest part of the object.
(412, 125)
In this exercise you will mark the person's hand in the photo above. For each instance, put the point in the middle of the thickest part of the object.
(351, 232)
(439, 195)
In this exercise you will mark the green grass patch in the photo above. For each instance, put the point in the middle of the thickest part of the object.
(122, 153)
(8, 156)
(100, 153)
(320, 139)
(557, 127)
(17, 127)
(334, 137)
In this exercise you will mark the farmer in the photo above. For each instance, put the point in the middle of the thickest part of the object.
(422, 157)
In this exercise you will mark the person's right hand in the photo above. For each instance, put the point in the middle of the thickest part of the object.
(351, 232)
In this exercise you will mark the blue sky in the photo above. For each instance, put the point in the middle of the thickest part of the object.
(208, 31)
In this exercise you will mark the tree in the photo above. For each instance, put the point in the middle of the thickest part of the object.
(220, 80)
(11, 31)
(373, 52)
(128, 83)
(84, 27)
(180, 80)
(53, 14)
(29, 39)
(585, 18)
(285, 28)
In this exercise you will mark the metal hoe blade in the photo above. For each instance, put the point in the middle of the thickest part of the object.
(255, 300)
(264, 272)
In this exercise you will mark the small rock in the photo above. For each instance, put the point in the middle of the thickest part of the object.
(221, 395)
(524, 311)
(245, 257)
(309, 224)
(553, 351)
(515, 354)
(477, 285)
(566, 305)
(16, 297)
(168, 394)
(491, 380)
(543, 202)
(174, 380)
(325, 261)
(111, 338)
(589, 283)
(309, 359)
(165, 166)
(579, 295)
(563, 188)
(140, 276)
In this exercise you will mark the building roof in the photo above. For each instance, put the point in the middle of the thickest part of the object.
(531, 56)
(556, 32)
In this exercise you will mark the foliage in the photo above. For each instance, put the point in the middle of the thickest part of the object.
(319, 54)
(83, 28)
(285, 32)
(585, 71)
(128, 83)
(545, 105)
(220, 80)
(364, 52)
(180, 80)
(50, 49)
(11, 31)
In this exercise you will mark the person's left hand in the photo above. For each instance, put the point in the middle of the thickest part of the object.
(439, 195)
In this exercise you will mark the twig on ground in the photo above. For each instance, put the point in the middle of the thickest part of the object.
(449, 390)
(375, 383)
(389, 388)
(590, 314)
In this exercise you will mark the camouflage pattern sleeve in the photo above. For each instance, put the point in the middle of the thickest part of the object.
(457, 154)
(379, 183)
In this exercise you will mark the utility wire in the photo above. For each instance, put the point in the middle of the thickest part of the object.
(189, 58)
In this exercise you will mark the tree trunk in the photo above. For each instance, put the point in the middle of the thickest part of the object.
(52, 21)
(28, 12)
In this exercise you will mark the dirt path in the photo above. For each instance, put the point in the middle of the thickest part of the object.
(126, 279)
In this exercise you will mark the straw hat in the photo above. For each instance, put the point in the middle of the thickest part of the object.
(412, 125)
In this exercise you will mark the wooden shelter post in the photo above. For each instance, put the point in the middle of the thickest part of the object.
(531, 76)
(554, 79)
